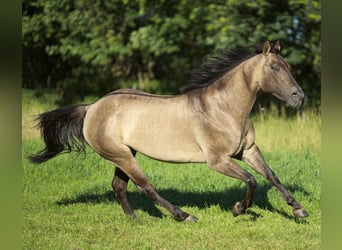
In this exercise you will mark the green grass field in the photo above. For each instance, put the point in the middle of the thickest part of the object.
(68, 202)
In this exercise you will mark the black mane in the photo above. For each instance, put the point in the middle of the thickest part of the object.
(216, 66)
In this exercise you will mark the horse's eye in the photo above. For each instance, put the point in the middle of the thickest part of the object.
(275, 67)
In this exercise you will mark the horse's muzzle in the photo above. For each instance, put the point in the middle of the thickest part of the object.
(296, 98)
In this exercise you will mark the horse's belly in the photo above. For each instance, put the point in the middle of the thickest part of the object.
(165, 144)
(171, 153)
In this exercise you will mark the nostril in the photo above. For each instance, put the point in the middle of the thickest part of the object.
(296, 95)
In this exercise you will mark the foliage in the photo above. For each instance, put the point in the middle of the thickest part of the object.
(83, 47)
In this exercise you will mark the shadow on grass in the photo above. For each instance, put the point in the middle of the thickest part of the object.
(225, 199)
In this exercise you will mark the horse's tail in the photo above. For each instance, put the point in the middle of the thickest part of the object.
(61, 130)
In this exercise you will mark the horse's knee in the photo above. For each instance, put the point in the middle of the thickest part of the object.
(119, 187)
(251, 182)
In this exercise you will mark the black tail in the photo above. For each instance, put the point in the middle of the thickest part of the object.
(61, 130)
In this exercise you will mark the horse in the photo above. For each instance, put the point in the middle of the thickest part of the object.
(207, 122)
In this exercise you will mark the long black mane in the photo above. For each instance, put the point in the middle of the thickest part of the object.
(216, 66)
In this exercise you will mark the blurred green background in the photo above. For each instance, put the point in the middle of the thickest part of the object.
(84, 47)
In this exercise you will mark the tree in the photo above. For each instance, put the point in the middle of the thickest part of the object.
(83, 47)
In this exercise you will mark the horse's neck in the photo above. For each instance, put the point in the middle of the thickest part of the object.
(237, 94)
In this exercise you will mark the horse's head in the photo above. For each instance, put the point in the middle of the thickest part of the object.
(277, 78)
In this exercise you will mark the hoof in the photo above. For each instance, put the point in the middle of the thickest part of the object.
(132, 216)
(191, 218)
(238, 209)
(300, 213)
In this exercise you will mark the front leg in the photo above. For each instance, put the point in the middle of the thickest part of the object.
(254, 158)
(227, 166)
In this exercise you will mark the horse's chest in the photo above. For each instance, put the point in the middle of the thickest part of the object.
(229, 139)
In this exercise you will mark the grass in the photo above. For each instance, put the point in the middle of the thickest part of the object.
(68, 202)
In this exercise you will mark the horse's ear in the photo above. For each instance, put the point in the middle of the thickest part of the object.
(277, 46)
(267, 48)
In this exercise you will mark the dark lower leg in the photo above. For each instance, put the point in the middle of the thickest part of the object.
(174, 210)
(119, 185)
(240, 207)
(298, 210)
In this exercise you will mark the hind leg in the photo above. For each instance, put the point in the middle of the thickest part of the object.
(148, 191)
(119, 185)
(130, 169)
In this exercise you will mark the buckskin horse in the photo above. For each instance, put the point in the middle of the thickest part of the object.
(207, 122)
